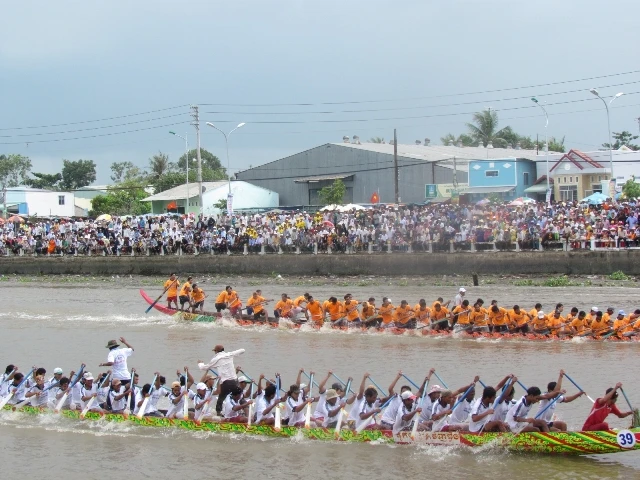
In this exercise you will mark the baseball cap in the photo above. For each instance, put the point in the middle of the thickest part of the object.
(540, 314)
(621, 312)
(175, 384)
(243, 378)
(462, 290)
(58, 371)
(407, 395)
(90, 377)
(87, 375)
(594, 309)
(201, 386)
(435, 389)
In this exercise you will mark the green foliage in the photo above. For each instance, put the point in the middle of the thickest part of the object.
(77, 174)
(525, 283)
(562, 281)
(333, 193)
(159, 165)
(121, 171)
(14, 170)
(209, 160)
(623, 138)
(376, 140)
(221, 204)
(122, 199)
(618, 275)
(464, 139)
(631, 188)
(485, 127)
(44, 180)
(494, 197)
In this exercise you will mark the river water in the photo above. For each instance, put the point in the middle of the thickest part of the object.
(63, 325)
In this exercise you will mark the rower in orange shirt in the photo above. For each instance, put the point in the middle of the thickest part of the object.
(620, 324)
(478, 318)
(335, 310)
(519, 319)
(591, 316)
(185, 295)
(555, 322)
(440, 300)
(439, 317)
(571, 316)
(198, 296)
(540, 323)
(385, 311)
(284, 307)
(422, 312)
(233, 302)
(533, 313)
(255, 306)
(369, 313)
(314, 311)
(599, 326)
(222, 299)
(608, 316)
(579, 323)
(461, 317)
(499, 318)
(350, 307)
(299, 305)
(171, 286)
(404, 316)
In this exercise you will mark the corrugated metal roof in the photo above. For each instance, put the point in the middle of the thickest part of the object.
(180, 192)
(487, 190)
(319, 178)
(540, 188)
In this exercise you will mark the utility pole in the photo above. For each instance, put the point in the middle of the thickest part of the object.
(196, 124)
(638, 119)
(395, 164)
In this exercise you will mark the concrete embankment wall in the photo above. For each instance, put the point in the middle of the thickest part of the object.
(570, 263)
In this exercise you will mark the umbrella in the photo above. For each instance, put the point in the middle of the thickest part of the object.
(351, 206)
(105, 217)
(172, 206)
(328, 223)
(516, 203)
(596, 198)
(483, 202)
(15, 219)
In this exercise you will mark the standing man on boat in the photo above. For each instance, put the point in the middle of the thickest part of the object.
(171, 286)
(227, 378)
(117, 360)
(185, 294)
(460, 296)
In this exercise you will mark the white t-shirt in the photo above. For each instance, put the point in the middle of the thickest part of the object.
(501, 410)
(389, 413)
(441, 422)
(478, 408)
(321, 411)
(38, 400)
(547, 416)
(427, 409)
(87, 392)
(461, 413)
(119, 369)
(399, 423)
(294, 417)
(178, 408)
(520, 409)
(76, 394)
(361, 406)
(117, 405)
(227, 408)
(261, 406)
(54, 400)
(328, 418)
(156, 395)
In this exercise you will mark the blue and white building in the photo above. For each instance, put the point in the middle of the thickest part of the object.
(506, 177)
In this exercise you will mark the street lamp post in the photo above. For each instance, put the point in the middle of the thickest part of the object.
(546, 146)
(612, 182)
(226, 141)
(186, 149)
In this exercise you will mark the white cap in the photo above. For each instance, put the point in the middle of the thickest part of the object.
(90, 377)
(243, 378)
(87, 375)
(303, 386)
(594, 309)
(540, 314)
(462, 290)
(407, 395)
(58, 371)
(201, 386)
(621, 312)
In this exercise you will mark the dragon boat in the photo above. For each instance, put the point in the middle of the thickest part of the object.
(248, 321)
(562, 443)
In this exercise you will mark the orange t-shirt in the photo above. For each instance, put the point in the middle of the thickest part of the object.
(284, 306)
(422, 315)
(386, 313)
(351, 310)
(173, 289)
(519, 319)
(315, 310)
(256, 303)
(478, 317)
(368, 310)
(334, 310)
(403, 314)
(498, 318)
(463, 315)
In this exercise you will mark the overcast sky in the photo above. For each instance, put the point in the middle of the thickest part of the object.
(66, 62)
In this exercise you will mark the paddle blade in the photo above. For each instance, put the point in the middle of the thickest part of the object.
(307, 417)
(635, 422)
(140, 413)
(278, 420)
(87, 408)
(250, 416)
(60, 403)
(4, 400)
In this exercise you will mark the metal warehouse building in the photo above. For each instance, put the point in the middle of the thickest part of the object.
(367, 168)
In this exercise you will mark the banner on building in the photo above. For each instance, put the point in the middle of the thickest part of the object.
(230, 204)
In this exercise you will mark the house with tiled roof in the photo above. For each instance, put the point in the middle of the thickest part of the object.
(576, 175)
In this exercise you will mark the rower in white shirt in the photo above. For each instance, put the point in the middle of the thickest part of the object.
(117, 396)
(227, 377)
(481, 414)
(56, 394)
(177, 399)
(117, 360)
(37, 393)
(234, 406)
(265, 405)
(406, 413)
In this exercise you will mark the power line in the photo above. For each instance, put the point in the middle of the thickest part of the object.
(419, 98)
(97, 120)
(417, 107)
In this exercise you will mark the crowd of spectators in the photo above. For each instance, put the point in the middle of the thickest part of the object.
(417, 228)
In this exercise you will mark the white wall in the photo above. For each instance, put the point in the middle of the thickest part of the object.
(46, 204)
(245, 195)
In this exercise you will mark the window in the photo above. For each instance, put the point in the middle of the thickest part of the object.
(525, 180)
(596, 187)
(592, 179)
(60, 199)
(568, 193)
(570, 179)
(600, 178)
(565, 180)
(491, 173)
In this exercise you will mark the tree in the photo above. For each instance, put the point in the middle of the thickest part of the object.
(623, 138)
(333, 193)
(209, 160)
(448, 139)
(463, 139)
(172, 179)
(14, 170)
(376, 140)
(221, 204)
(44, 180)
(631, 188)
(126, 171)
(485, 128)
(159, 165)
(123, 199)
(77, 174)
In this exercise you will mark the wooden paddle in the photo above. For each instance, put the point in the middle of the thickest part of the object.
(160, 297)
(364, 425)
(93, 398)
(127, 409)
(278, 416)
(185, 405)
(636, 416)
(307, 415)
(342, 410)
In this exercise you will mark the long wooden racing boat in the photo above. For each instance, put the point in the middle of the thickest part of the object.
(565, 443)
(247, 321)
